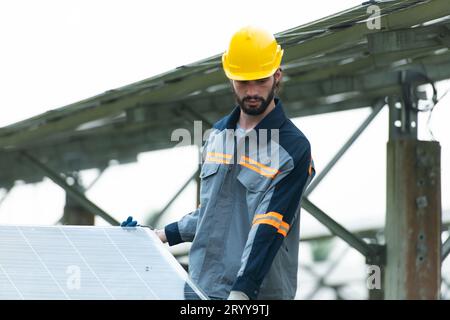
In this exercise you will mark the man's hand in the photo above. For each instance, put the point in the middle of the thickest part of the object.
(238, 295)
(129, 222)
(161, 235)
(133, 223)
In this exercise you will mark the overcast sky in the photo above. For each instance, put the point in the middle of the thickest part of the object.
(58, 52)
(55, 52)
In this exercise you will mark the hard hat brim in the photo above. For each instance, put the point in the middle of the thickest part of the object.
(248, 76)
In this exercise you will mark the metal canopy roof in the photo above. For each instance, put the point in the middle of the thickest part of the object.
(335, 63)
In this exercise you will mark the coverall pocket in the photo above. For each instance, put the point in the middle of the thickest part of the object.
(207, 174)
(208, 169)
(253, 181)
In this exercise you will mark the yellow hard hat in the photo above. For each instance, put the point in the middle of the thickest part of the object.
(253, 54)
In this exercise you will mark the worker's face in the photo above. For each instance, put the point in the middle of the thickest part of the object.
(255, 96)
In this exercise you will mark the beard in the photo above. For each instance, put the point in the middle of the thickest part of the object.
(264, 103)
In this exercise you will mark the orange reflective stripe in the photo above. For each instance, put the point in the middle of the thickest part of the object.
(258, 167)
(217, 157)
(284, 228)
(258, 216)
(268, 221)
(220, 155)
(275, 214)
(257, 170)
(258, 164)
(274, 219)
(268, 175)
(217, 160)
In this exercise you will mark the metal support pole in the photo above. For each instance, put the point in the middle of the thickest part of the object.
(74, 213)
(72, 192)
(365, 249)
(413, 221)
(315, 182)
(413, 213)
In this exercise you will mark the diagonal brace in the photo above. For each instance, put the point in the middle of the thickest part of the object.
(72, 192)
(445, 249)
(355, 242)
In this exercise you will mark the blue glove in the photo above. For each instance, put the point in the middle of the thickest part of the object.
(129, 222)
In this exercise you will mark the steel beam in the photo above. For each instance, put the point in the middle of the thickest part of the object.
(72, 192)
(365, 249)
(379, 62)
(299, 89)
(372, 233)
(407, 39)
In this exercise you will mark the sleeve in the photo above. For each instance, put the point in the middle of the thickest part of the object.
(271, 223)
(183, 230)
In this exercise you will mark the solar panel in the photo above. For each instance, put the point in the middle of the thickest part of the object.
(79, 262)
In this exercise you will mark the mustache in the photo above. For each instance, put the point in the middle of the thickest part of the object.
(247, 98)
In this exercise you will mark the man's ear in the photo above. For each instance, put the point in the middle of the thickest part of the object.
(278, 75)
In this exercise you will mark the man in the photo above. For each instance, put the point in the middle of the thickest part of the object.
(245, 233)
